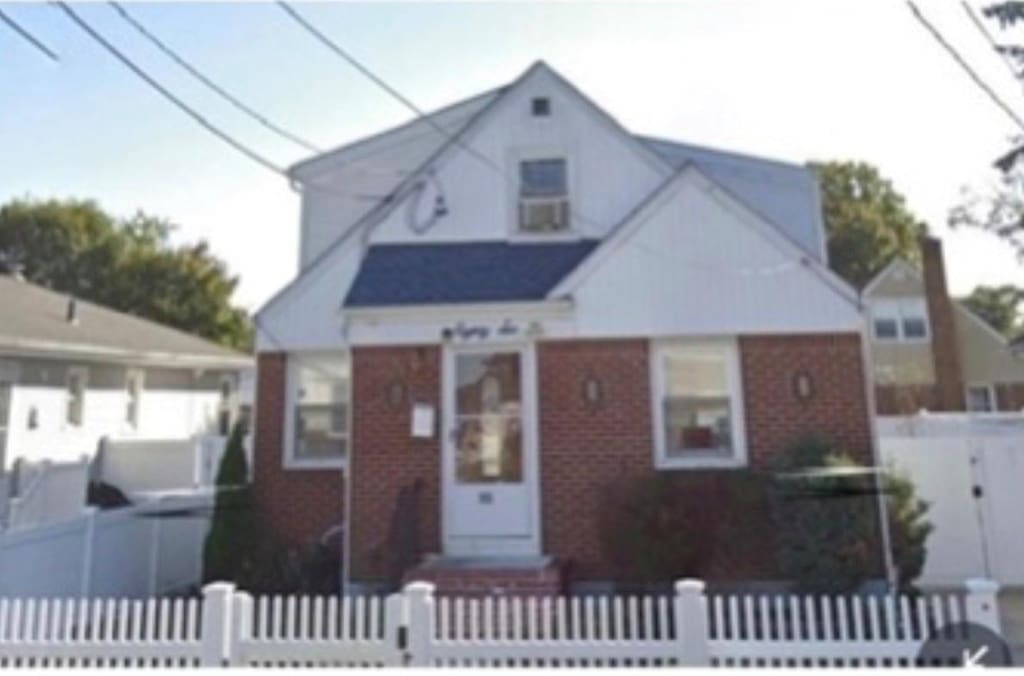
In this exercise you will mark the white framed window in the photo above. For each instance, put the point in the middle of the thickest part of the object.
(543, 199)
(77, 380)
(698, 404)
(134, 382)
(317, 423)
(900, 319)
(981, 398)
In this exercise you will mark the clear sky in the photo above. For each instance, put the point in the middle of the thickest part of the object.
(793, 80)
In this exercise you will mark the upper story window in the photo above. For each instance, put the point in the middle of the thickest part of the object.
(543, 195)
(540, 106)
(904, 319)
(698, 404)
(318, 395)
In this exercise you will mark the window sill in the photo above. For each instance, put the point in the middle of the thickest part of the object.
(294, 464)
(700, 462)
(538, 237)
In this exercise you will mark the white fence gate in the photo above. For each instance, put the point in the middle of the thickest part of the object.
(415, 628)
(970, 468)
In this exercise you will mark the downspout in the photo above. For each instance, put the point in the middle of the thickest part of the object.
(869, 393)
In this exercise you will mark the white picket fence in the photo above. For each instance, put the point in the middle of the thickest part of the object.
(413, 627)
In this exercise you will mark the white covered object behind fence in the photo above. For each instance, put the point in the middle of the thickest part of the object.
(146, 466)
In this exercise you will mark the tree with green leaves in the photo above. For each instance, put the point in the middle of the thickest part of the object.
(867, 220)
(999, 306)
(1000, 208)
(75, 247)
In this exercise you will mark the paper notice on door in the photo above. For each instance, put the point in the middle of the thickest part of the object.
(422, 421)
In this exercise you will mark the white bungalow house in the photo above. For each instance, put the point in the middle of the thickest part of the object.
(72, 372)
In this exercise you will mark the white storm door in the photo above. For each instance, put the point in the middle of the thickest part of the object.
(490, 452)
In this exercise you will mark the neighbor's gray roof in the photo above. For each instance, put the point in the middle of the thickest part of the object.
(33, 320)
(786, 194)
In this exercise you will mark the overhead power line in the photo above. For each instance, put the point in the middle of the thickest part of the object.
(452, 137)
(996, 47)
(178, 103)
(966, 67)
(195, 72)
(28, 37)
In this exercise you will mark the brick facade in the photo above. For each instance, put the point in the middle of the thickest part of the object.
(299, 505)
(388, 537)
(584, 446)
(837, 411)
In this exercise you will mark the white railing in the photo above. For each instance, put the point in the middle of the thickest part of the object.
(48, 492)
(413, 627)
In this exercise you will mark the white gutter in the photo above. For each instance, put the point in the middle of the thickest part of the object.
(51, 349)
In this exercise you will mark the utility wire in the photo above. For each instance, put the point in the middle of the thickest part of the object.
(966, 67)
(996, 47)
(454, 138)
(192, 70)
(28, 37)
(197, 117)
(178, 103)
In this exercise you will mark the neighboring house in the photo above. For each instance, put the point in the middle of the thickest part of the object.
(929, 351)
(72, 372)
(545, 305)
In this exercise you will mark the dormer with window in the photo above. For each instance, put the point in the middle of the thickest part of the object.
(543, 196)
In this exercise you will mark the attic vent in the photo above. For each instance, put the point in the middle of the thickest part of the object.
(541, 106)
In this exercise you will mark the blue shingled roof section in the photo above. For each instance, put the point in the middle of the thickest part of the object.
(786, 194)
(464, 272)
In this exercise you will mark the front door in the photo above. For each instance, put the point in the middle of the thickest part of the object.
(489, 460)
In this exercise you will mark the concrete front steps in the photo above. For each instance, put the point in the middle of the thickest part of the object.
(479, 577)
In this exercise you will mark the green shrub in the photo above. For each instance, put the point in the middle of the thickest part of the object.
(828, 526)
(663, 526)
(234, 532)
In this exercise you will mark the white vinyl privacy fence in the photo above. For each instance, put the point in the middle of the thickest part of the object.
(414, 627)
(134, 552)
(970, 469)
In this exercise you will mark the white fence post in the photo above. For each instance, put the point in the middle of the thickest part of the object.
(980, 603)
(88, 542)
(420, 627)
(692, 623)
(242, 627)
(219, 642)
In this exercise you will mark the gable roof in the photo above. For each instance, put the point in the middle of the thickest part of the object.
(907, 267)
(740, 171)
(33, 319)
(465, 272)
(690, 171)
(785, 194)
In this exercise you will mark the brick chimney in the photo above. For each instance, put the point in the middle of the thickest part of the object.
(949, 379)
